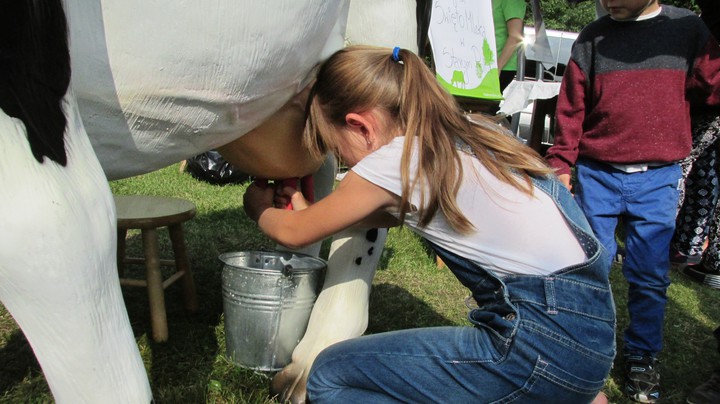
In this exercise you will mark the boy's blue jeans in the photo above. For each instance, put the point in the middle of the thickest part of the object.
(535, 339)
(646, 202)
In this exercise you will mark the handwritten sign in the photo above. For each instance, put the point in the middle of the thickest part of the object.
(462, 37)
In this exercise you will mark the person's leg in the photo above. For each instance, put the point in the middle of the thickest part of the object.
(708, 272)
(651, 199)
(602, 194)
(699, 195)
(649, 223)
(506, 77)
(711, 257)
(598, 193)
(439, 364)
(462, 365)
(701, 190)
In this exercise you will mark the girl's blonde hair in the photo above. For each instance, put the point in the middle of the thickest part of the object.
(359, 78)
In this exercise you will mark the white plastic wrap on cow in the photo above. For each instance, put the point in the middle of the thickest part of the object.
(58, 272)
(383, 23)
(161, 81)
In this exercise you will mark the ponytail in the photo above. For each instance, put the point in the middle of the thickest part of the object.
(400, 83)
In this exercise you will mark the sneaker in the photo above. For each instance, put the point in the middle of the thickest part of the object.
(677, 257)
(708, 392)
(699, 273)
(643, 379)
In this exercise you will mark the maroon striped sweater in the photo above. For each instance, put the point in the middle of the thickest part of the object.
(628, 88)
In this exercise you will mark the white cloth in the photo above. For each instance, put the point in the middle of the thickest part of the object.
(515, 233)
(519, 94)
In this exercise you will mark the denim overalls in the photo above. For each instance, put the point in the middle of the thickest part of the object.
(537, 339)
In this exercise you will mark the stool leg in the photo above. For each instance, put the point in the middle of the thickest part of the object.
(156, 293)
(121, 235)
(182, 263)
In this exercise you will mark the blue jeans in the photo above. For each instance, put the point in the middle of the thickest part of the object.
(647, 204)
(536, 339)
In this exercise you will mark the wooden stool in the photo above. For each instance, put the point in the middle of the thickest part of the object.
(148, 213)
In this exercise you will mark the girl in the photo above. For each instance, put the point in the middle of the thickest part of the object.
(490, 208)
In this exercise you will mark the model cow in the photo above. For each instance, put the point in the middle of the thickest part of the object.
(154, 83)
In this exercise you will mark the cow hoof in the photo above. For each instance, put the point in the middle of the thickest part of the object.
(288, 385)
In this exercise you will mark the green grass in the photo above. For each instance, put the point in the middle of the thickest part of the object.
(409, 291)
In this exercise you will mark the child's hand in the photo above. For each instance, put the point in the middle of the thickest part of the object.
(565, 179)
(285, 195)
(258, 197)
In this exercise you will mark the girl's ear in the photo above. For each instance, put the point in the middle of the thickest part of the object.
(357, 122)
(365, 124)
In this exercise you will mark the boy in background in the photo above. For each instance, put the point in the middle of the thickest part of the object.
(623, 121)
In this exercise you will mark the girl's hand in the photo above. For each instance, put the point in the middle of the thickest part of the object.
(353, 200)
(258, 197)
(285, 195)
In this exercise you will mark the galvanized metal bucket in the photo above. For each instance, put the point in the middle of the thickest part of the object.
(267, 300)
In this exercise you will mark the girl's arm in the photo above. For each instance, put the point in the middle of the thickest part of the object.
(291, 195)
(354, 200)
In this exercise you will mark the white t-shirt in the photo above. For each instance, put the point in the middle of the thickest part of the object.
(515, 233)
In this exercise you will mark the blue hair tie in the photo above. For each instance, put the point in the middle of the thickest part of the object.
(396, 54)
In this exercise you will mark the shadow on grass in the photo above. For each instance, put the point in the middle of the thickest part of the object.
(18, 363)
(394, 308)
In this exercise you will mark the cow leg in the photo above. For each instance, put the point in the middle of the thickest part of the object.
(341, 310)
(58, 272)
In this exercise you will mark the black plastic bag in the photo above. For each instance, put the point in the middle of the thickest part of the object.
(211, 167)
